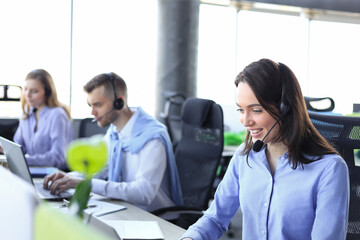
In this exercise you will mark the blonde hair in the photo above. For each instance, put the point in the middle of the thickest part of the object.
(51, 99)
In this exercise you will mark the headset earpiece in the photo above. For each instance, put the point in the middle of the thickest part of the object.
(284, 106)
(118, 102)
(47, 92)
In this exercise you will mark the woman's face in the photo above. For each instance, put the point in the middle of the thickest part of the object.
(253, 116)
(34, 93)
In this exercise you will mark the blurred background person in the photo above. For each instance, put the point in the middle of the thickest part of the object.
(45, 128)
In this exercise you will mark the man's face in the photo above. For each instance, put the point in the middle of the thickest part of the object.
(101, 107)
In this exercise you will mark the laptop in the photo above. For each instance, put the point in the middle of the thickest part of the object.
(18, 165)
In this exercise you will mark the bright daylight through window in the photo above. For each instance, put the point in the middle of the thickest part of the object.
(120, 36)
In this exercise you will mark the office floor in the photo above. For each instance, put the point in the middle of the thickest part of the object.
(235, 229)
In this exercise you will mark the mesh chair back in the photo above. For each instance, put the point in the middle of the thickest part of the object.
(344, 133)
(199, 150)
(89, 128)
(171, 115)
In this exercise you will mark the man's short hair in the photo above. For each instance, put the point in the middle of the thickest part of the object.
(104, 80)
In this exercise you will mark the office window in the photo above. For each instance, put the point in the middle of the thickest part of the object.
(228, 43)
(282, 38)
(120, 36)
(231, 41)
(115, 36)
(333, 64)
(322, 54)
(35, 34)
(217, 55)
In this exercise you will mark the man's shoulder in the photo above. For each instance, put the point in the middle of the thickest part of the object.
(147, 123)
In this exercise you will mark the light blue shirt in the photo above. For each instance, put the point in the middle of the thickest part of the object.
(142, 169)
(45, 146)
(305, 203)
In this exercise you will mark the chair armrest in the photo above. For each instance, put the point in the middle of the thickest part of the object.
(171, 213)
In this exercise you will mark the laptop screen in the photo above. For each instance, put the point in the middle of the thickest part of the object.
(16, 159)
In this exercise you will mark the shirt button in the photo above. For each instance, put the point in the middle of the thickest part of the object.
(265, 204)
(263, 232)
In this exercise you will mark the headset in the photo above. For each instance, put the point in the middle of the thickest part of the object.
(118, 102)
(41, 75)
(284, 105)
(47, 92)
(284, 109)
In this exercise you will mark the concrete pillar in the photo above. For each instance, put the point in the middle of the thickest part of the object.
(178, 24)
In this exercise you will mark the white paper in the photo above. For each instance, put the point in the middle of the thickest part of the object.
(99, 208)
(96, 208)
(126, 229)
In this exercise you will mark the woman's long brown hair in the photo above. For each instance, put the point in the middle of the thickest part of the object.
(266, 78)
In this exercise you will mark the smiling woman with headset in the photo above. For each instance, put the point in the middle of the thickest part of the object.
(45, 129)
(287, 180)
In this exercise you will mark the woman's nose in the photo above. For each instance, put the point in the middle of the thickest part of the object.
(247, 120)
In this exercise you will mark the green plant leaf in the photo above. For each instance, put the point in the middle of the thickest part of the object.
(87, 155)
(81, 196)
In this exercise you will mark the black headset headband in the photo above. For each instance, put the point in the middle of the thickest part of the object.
(284, 106)
(118, 102)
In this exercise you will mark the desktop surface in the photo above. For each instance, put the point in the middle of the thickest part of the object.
(170, 231)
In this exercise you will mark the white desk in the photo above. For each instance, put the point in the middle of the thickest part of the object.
(170, 231)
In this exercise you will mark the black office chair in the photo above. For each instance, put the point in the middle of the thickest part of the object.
(324, 101)
(197, 157)
(8, 126)
(344, 133)
(171, 114)
(88, 128)
(10, 93)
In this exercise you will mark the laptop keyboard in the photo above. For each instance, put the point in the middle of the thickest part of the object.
(45, 193)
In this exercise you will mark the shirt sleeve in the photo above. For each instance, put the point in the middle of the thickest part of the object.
(332, 203)
(60, 135)
(148, 177)
(225, 205)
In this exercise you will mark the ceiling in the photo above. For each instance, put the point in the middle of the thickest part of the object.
(327, 10)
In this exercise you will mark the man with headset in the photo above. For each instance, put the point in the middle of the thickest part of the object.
(141, 167)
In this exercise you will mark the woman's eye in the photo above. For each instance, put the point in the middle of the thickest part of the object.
(240, 110)
(257, 111)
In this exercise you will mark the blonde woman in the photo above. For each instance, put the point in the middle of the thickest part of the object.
(46, 128)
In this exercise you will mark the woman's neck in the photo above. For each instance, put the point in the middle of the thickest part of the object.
(38, 108)
(273, 152)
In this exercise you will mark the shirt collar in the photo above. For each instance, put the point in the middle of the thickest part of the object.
(43, 110)
(282, 160)
(125, 133)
